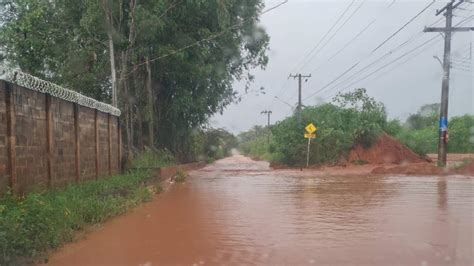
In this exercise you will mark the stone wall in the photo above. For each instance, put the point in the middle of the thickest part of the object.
(46, 141)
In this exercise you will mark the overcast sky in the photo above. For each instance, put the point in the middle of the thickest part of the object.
(296, 28)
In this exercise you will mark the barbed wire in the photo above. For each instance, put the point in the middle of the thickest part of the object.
(36, 84)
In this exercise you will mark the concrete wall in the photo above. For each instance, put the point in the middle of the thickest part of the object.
(46, 141)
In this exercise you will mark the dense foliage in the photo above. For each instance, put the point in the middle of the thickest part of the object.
(38, 222)
(175, 60)
(420, 131)
(353, 118)
(218, 143)
(256, 142)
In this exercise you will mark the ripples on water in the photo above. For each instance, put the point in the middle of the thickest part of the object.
(269, 218)
(238, 212)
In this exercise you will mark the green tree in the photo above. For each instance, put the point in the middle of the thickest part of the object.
(427, 116)
(176, 60)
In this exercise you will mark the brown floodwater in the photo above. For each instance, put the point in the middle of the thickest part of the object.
(239, 212)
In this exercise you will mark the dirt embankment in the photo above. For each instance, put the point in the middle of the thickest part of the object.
(388, 156)
(386, 150)
(395, 158)
(467, 169)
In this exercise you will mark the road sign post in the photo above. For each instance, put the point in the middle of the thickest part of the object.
(310, 129)
(307, 155)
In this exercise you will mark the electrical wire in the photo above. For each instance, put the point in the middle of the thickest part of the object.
(345, 46)
(400, 57)
(334, 34)
(324, 36)
(411, 39)
(403, 27)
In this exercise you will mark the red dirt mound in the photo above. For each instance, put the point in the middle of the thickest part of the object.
(468, 169)
(385, 150)
(410, 169)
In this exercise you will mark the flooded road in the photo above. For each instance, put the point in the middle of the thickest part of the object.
(239, 212)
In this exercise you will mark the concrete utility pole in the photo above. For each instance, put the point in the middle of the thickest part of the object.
(443, 118)
(300, 104)
(268, 113)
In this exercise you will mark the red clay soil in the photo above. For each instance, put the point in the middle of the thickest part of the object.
(411, 169)
(385, 150)
(467, 169)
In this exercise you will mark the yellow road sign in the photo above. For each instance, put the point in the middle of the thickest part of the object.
(309, 136)
(311, 128)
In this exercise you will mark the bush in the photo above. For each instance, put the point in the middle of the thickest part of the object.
(152, 159)
(358, 119)
(35, 223)
(421, 141)
(180, 176)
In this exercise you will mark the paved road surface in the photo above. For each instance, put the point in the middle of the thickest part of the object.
(239, 212)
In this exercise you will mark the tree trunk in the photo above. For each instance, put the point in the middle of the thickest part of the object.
(150, 107)
(109, 21)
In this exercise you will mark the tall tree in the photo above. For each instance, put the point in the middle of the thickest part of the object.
(189, 52)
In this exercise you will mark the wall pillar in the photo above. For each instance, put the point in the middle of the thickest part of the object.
(11, 136)
(49, 140)
(77, 143)
(109, 140)
(96, 128)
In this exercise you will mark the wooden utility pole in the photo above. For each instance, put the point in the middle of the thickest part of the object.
(448, 31)
(300, 104)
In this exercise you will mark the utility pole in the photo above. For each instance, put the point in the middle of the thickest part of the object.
(268, 113)
(300, 104)
(448, 32)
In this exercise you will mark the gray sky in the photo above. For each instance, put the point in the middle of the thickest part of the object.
(296, 27)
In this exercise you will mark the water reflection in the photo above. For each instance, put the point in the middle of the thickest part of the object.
(239, 212)
(442, 193)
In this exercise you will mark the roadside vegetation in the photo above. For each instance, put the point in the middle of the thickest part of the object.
(420, 131)
(352, 118)
(35, 223)
(38, 222)
(175, 61)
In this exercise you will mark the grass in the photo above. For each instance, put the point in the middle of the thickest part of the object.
(35, 223)
(180, 176)
(360, 162)
(461, 165)
(153, 159)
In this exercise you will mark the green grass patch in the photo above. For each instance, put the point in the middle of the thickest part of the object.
(360, 162)
(35, 223)
(153, 159)
(180, 176)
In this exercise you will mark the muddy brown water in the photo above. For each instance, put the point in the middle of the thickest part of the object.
(239, 212)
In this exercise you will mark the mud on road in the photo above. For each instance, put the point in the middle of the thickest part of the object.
(238, 211)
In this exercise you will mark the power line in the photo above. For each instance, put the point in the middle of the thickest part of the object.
(411, 39)
(345, 46)
(359, 71)
(324, 36)
(404, 26)
(400, 57)
(391, 62)
(334, 34)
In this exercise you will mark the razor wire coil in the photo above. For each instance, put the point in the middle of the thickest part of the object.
(33, 83)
